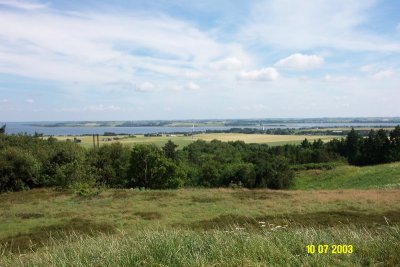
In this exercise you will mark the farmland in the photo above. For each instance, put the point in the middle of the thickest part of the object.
(181, 140)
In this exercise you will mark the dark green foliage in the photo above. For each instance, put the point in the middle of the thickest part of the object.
(110, 164)
(65, 165)
(29, 161)
(378, 147)
(56, 163)
(274, 173)
(3, 129)
(149, 168)
(305, 144)
(395, 143)
(169, 149)
(353, 146)
(18, 170)
(220, 164)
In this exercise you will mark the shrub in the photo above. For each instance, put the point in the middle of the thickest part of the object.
(18, 170)
(149, 168)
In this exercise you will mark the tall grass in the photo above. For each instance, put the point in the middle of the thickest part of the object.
(216, 248)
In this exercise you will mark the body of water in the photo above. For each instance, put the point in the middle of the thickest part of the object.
(24, 127)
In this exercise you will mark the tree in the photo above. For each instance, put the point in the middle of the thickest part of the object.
(382, 144)
(395, 143)
(353, 146)
(3, 129)
(110, 164)
(274, 173)
(169, 149)
(318, 144)
(18, 170)
(305, 143)
(149, 168)
(240, 173)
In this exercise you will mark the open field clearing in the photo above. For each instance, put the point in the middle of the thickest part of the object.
(198, 227)
(218, 248)
(347, 176)
(273, 140)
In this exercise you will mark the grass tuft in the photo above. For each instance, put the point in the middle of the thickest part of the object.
(217, 248)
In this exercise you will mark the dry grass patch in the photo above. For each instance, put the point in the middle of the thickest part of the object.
(31, 196)
(29, 215)
(260, 194)
(149, 215)
(156, 195)
(41, 236)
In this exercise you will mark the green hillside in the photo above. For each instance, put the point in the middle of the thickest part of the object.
(346, 177)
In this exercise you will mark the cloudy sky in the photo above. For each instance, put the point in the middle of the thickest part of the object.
(166, 59)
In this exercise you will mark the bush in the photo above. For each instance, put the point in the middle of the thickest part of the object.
(149, 168)
(18, 170)
(110, 164)
(274, 173)
(85, 189)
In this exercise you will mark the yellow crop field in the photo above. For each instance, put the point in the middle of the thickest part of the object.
(182, 141)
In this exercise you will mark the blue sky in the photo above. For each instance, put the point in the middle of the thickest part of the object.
(139, 60)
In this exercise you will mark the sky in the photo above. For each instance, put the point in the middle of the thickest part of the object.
(173, 59)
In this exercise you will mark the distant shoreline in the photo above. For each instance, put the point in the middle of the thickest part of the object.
(217, 123)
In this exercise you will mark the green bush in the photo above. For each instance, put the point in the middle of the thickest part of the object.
(18, 170)
(149, 168)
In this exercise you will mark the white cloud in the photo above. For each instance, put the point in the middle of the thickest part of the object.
(91, 108)
(305, 25)
(4, 101)
(192, 86)
(338, 79)
(22, 4)
(369, 68)
(231, 63)
(145, 87)
(105, 47)
(383, 74)
(301, 62)
(29, 101)
(192, 74)
(265, 74)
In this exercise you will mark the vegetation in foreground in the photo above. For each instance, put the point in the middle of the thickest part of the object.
(197, 227)
(29, 216)
(218, 248)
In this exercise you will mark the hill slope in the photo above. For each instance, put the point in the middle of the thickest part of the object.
(345, 177)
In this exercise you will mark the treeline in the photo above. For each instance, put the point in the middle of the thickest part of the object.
(31, 162)
(378, 147)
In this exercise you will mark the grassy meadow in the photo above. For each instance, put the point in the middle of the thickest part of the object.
(347, 177)
(197, 227)
(338, 205)
(181, 140)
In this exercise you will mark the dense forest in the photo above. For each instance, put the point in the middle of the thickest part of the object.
(31, 162)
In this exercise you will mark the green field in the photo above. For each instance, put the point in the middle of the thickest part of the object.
(346, 176)
(358, 206)
(273, 140)
(56, 228)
